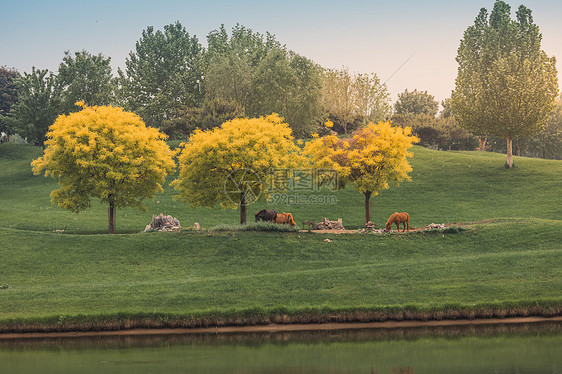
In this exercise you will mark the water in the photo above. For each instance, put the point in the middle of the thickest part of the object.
(533, 348)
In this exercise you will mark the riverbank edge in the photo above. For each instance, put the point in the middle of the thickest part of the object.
(256, 320)
(281, 328)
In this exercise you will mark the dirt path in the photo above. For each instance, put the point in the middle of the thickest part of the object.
(412, 229)
(273, 328)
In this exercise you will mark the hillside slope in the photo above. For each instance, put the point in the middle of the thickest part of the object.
(446, 187)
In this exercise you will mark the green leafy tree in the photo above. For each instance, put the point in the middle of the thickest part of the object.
(229, 165)
(506, 85)
(416, 103)
(337, 95)
(85, 77)
(447, 111)
(213, 113)
(161, 74)
(230, 62)
(547, 143)
(372, 98)
(242, 41)
(288, 84)
(262, 77)
(37, 107)
(228, 78)
(8, 93)
(346, 97)
(106, 153)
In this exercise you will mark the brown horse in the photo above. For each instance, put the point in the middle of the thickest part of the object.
(398, 218)
(285, 218)
(267, 215)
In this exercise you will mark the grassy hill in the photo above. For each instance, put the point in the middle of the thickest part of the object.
(507, 263)
(445, 187)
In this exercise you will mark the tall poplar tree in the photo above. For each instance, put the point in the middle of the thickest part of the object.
(506, 85)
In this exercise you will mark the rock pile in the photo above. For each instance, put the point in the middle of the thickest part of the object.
(326, 224)
(163, 223)
(371, 227)
(372, 230)
(436, 226)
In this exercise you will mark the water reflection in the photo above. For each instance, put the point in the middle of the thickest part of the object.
(530, 348)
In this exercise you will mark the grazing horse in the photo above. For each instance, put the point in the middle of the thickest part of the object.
(285, 218)
(267, 215)
(398, 218)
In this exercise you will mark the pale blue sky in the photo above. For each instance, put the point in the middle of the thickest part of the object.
(366, 36)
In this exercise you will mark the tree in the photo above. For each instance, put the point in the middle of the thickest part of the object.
(372, 98)
(8, 93)
(106, 153)
(416, 103)
(346, 96)
(262, 77)
(337, 96)
(288, 84)
(447, 112)
(547, 143)
(160, 76)
(243, 41)
(85, 77)
(212, 113)
(37, 107)
(506, 85)
(228, 78)
(373, 158)
(229, 164)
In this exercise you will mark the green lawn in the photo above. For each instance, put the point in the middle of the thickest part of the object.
(511, 257)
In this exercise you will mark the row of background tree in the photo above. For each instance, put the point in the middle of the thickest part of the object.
(176, 85)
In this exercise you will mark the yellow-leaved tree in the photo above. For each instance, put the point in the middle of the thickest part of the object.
(375, 156)
(106, 153)
(229, 165)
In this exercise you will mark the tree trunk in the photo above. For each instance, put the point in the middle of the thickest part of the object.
(509, 152)
(242, 208)
(111, 217)
(367, 206)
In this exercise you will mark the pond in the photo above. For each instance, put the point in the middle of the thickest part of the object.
(527, 348)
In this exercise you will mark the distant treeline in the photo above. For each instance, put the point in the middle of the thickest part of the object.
(177, 85)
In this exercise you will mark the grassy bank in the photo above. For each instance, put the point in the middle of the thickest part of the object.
(507, 268)
(508, 264)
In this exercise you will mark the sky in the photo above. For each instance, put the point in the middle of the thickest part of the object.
(408, 44)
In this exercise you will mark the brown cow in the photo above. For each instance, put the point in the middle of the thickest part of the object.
(398, 218)
(267, 215)
(285, 218)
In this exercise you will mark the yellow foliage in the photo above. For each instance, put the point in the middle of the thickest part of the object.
(256, 145)
(107, 153)
(373, 157)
